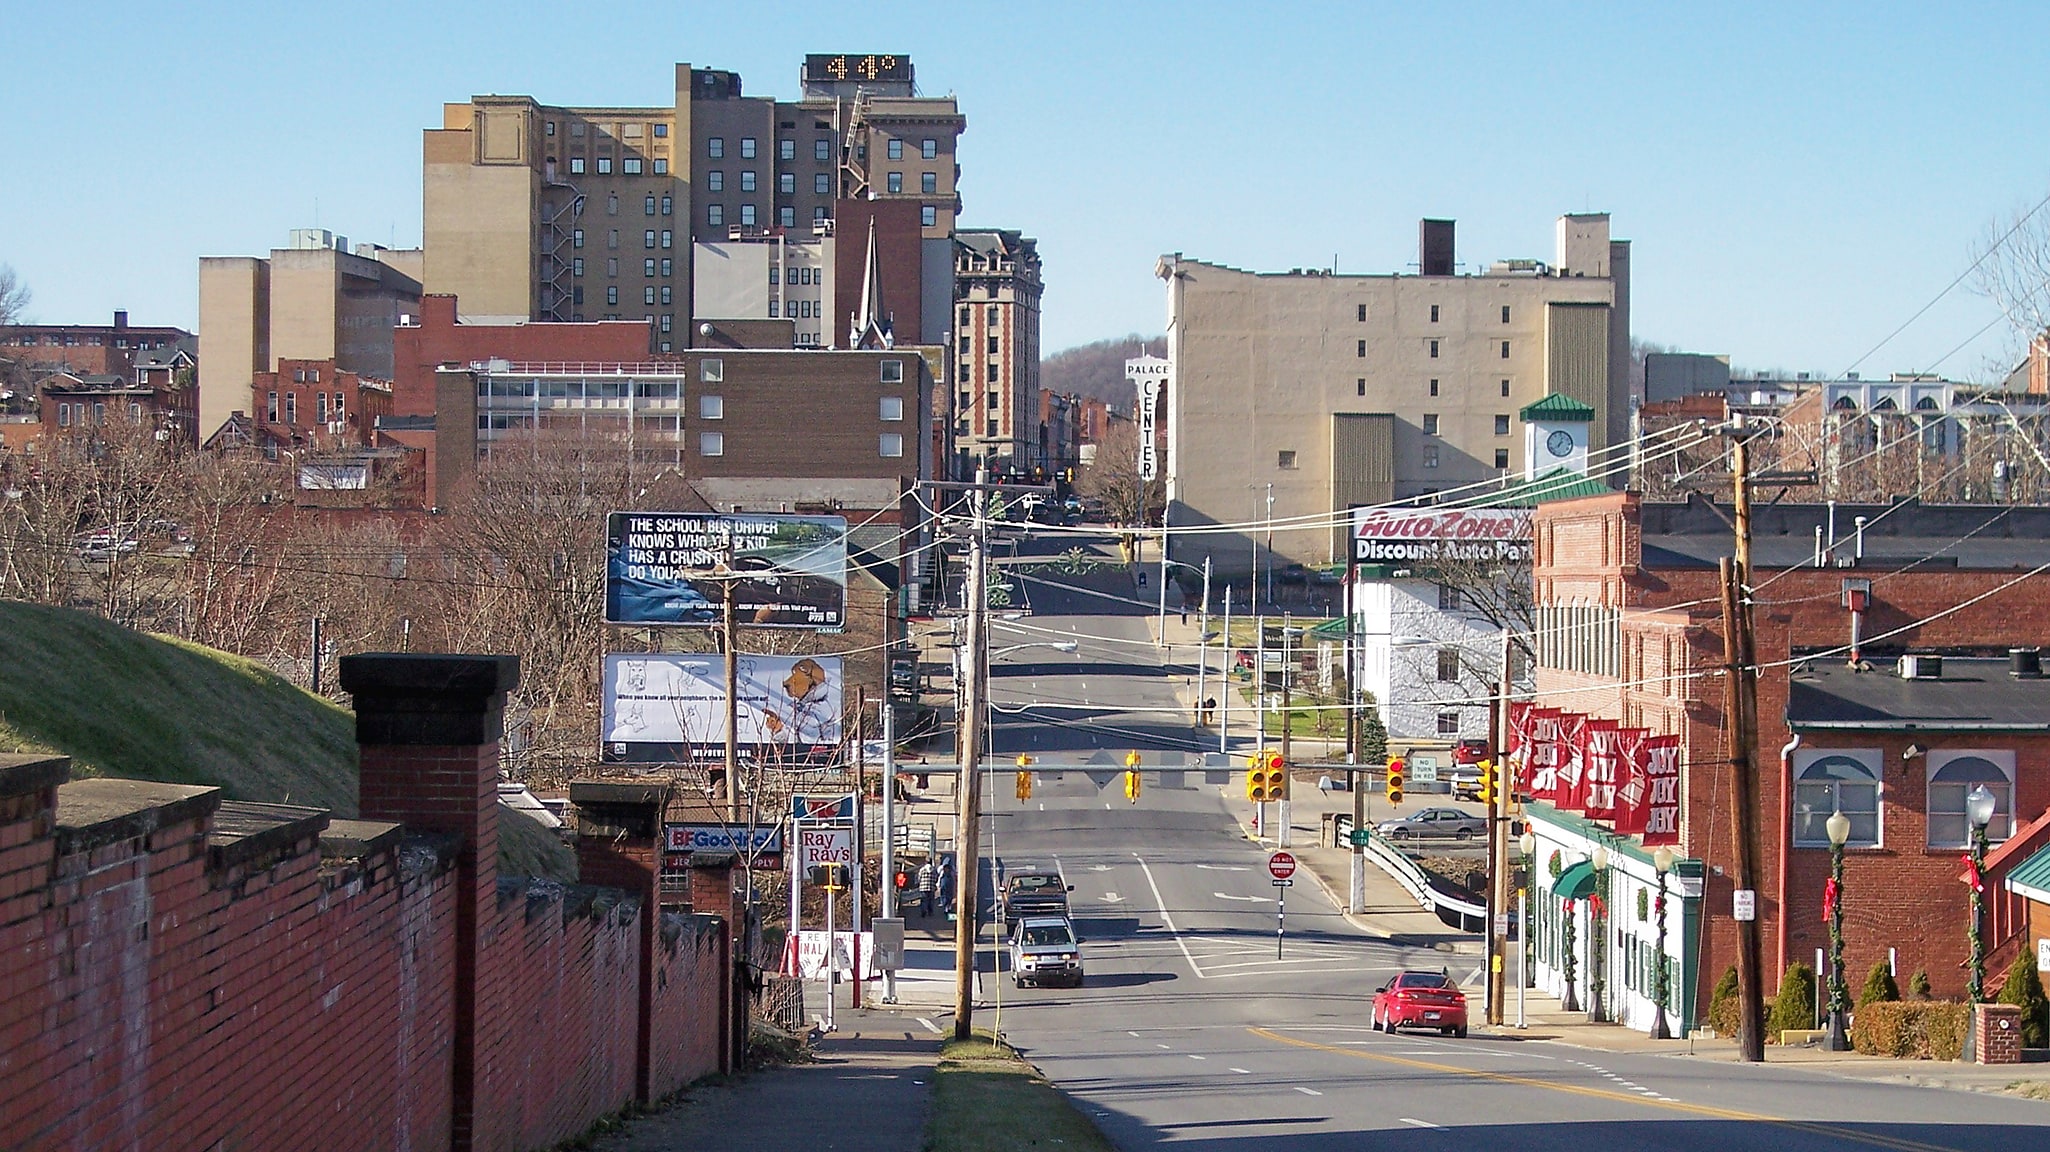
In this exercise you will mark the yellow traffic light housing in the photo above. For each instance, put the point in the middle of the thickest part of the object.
(1487, 768)
(1132, 785)
(1024, 785)
(1266, 778)
(1395, 773)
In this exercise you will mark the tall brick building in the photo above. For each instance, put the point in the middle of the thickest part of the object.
(1630, 638)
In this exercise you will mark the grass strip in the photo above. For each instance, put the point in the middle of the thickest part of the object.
(986, 1096)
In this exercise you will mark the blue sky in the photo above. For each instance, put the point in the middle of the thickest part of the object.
(1797, 179)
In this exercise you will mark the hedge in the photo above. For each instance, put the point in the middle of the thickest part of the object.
(1911, 1029)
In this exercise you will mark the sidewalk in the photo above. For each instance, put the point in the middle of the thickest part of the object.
(870, 1091)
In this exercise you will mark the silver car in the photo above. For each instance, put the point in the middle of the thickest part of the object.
(1435, 823)
(1045, 949)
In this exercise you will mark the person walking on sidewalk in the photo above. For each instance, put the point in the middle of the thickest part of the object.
(927, 882)
(946, 882)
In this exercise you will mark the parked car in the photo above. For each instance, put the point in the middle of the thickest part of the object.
(1045, 949)
(1420, 1000)
(1435, 823)
(1035, 893)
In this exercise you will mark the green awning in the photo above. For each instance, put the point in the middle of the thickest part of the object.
(2030, 879)
(1576, 882)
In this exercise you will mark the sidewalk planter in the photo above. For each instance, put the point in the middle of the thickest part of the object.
(1912, 1029)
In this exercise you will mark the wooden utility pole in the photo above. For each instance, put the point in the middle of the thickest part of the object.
(1741, 696)
(968, 789)
(729, 633)
(1497, 771)
(857, 881)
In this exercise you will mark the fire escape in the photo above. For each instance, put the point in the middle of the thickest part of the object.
(558, 221)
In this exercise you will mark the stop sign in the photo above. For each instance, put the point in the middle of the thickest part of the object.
(1281, 865)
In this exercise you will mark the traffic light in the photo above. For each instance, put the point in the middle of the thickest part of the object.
(1266, 778)
(1132, 776)
(1395, 769)
(1487, 768)
(832, 876)
(1024, 777)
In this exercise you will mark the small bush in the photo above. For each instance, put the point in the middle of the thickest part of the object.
(1911, 1029)
(2024, 989)
(1918, 985)
(1945, 1024)
(1725, 1007)
(1794, 1008)
(1879, 986)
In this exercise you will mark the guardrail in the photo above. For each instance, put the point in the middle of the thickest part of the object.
(1433, 893)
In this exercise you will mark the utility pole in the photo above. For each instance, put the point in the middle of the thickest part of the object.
(1741, 696)
(1498, 843)
(857, 881)
(968, 784)
(1356, 776)
(889, 905)
(1281, 807)
(1203, 640)
(729, 631)
(313, 681)
(1224, 682)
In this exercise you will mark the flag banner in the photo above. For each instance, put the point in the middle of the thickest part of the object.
(1572, 790)
(1544, 754)
(1633, 792)
(1662, 805)
(1601, 767)
(1516, 757)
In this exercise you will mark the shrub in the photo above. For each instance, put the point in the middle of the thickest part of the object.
(1945, 1024)
(1879, 986)
(1912, 1029)
(2024, 989)
(1725, 1007)
(1918, 985)
(1794, 1008)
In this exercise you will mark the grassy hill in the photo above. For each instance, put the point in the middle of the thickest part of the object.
(146, 707)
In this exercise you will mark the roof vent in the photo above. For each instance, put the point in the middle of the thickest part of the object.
(2025, 663)
(1921, 668)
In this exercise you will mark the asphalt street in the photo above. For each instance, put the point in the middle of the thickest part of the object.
(1191, 1031)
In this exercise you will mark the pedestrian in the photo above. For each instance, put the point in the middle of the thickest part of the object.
(946, 881)
(926, 884)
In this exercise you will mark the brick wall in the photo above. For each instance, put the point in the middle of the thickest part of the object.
(182, 972)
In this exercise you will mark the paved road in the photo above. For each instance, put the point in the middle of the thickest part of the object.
(1190, 1031)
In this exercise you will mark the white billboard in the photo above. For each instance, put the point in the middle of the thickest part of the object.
(1411, 535)
(669, 707)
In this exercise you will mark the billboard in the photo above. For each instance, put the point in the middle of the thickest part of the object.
(789, 571)
(669, 707)
(1421, 535)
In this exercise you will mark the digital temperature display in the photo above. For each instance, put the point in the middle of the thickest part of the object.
(842, 66)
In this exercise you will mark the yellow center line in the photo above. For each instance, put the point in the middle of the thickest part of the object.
(1895, 1143)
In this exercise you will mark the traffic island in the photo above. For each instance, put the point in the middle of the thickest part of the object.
(986, 1096)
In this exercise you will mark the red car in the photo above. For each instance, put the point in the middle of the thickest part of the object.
(1420, 1000)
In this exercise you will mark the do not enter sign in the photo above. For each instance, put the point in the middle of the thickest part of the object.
(1281, 865)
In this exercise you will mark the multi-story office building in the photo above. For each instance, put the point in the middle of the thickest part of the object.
(996, 337)
(560, 213)
(86, 349)
(313, 300)
(1296, 394)
(768, 278)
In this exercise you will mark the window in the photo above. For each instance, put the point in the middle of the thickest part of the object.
(930, 149)
(715, 181)
(661, 166)
(786, 216)
(1448, 598)
(1501, 458)
(715, 147)
(994, 345)
(1836, 780)
(1285, 458)
(576, 295)
(576, 165)
(818, 212)
(1505, 349)
(667, 321)
(1505, 313)
(1434, 387)
(648, 266)
(1952, 776)
(747, 181)
(894, 182)
(1361, 351)
(665, 267)
(576, 238)
(1505, 387)
(928, 216)
(665, 293)
(1434, 349)
(747, 215)
(895, 150)
(967, 315)
(711, 408)
(667, 205)
(1434, 313)
(1448, 723)
(273, 407)
(890, 444)
(822, 184)
(928, 182)
(612, 238)
(338, 406)
(892, 408)
(604, 165)
(1448, 665)
(631, 165)
(612, 293)
(786, 183)
(647, 296)
(291, 407)
(893, 371)
(1501, 425)
(1362, 385)
(576, 266)
(822, 149)
(648, 204)
(1430, 455)
(320, 407)
(786, 149)
(612, 205)
(992, 373)
(711, 444)
(667, 237)
(711, 370)
(661, 129)
(1430, 423)
(648, 238)
(964, 345)
(747, 147)
(551, 128)
(773, 309)
(1363, 313)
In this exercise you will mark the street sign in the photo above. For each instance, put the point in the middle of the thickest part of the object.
(1148, 374)
(818, 846)
(822, 807)
(1746, 904)
(1360, 837)
(1423, 768)
(1281, 865)
(1284, 883)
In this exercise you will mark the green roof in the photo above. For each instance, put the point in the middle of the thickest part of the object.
(2031, 877)
(1560, 483)
(1557, 407)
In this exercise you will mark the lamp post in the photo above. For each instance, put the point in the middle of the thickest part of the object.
(1839, 828)
(1597, 936)
(1979, 807)
(1662, 863)
(1527, 842)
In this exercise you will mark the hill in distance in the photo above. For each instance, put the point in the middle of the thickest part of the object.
(1098, 370)
(145, 707)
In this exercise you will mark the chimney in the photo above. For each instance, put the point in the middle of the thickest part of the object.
(427, 730)
(120, 318)
(1434, 251)
(2025, 663)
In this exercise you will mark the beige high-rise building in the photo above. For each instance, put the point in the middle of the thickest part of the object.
(1299, 394)
(559, 213)
(311, 300)
(996, 333)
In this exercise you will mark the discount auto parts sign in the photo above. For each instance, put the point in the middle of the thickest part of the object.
(1420, 535)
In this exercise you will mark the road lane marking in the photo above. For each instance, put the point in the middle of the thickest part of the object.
(1224, 867)
(1247, 899)
(1423, 1124)
(1193, 1056)
(1307, 1091)
(1243, 1071)
(1132, 1034)
(930, 1026)
(1873, 1139)
(1162, 1046)
(1167, 919)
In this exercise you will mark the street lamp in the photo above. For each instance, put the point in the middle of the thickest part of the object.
(1839, 828)
(1662, 863)
(1979, 807)
(1597, 936)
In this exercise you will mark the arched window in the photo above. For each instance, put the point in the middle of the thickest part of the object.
(1886, 404)
(1836, 780)
(1952, 776)
(1845, 404)
(1926, 404)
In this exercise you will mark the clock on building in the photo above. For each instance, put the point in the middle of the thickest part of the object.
(1559, 443)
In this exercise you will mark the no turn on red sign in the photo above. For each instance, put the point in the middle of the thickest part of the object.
(1281, 865)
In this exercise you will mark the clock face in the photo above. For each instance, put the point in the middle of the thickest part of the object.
(1559, 443)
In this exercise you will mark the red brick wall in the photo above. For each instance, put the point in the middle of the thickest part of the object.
(436, 339)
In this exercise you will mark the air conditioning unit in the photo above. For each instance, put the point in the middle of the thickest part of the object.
(1921, 667)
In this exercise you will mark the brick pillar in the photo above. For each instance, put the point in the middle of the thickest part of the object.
(1997, 1033)
(619, 845)
(711, 893)
(28, 864)
(428, 728)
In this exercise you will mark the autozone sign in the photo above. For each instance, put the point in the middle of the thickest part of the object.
(818, 846)
(1399, 535)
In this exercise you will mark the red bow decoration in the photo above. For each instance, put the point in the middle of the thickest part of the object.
(1569, 907)
(1972, 876)
(1829, 898)
(1595, 907)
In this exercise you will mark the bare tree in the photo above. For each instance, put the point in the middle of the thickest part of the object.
(14, 297)
(1113, 476)
(2014, 270)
